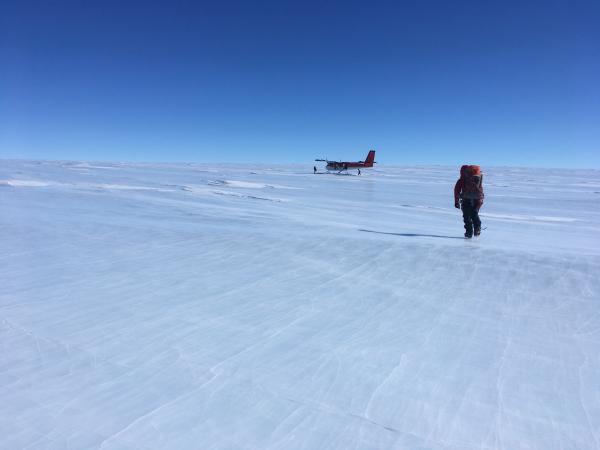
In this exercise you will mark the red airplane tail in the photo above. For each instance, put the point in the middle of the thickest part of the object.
(370, 159)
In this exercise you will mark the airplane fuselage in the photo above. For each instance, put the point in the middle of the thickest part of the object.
(344, 165)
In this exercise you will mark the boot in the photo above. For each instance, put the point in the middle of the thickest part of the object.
(468, 231)
(477, 231)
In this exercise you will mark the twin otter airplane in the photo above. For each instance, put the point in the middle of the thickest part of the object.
(340, 166)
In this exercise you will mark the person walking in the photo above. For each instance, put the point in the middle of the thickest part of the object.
(315, 169)
(468, 196)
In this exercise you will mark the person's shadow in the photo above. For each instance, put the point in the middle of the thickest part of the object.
(412, 234)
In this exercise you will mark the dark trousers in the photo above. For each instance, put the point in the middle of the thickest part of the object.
(470, 210)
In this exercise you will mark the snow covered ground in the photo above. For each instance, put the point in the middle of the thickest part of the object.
(251, 307)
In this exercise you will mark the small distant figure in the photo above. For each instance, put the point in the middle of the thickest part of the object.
(468, 196)
(359, 171)
(314, 169)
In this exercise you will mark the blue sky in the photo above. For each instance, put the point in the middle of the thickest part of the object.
(428, 82)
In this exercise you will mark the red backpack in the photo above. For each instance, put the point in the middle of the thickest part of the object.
(472, 182)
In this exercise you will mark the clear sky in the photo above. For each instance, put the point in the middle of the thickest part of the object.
(422, 82)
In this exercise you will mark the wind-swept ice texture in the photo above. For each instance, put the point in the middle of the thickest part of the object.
(236, 307)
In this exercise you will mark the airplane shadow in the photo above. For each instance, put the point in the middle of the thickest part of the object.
(412, 234)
